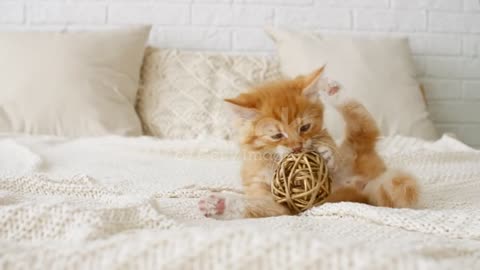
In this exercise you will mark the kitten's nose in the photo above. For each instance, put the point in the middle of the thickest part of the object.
(297, 149)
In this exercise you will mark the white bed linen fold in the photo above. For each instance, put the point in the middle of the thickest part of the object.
(130, 203)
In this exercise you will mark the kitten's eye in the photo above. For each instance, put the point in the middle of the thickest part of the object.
(277, 136)
(305, 128)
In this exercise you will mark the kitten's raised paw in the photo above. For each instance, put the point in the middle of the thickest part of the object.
(212, 206)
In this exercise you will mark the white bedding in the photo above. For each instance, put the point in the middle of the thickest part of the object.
(130, 203)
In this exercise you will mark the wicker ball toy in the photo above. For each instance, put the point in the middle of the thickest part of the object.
(301, 181)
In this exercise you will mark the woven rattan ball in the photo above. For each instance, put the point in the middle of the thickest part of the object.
(301, 181)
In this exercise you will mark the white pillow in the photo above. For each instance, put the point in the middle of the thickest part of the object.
(378, 72)
(182, 92)
(71, 84)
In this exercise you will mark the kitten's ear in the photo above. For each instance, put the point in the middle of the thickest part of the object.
(312, 83)
(244, 106)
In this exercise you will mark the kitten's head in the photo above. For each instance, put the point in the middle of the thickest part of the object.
(281, 117)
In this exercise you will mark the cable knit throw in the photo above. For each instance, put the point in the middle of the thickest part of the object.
(109, 203)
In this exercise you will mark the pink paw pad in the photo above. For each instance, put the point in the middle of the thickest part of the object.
(212, 205)
(333, 88)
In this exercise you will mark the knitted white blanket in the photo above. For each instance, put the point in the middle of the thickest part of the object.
(118, 203)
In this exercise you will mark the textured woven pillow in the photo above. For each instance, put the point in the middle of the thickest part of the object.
(71, 84)
(182, 92)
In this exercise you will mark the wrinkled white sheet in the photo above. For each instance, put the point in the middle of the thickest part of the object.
(130, 203)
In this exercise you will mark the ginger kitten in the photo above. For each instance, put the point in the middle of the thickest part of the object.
(287, 116)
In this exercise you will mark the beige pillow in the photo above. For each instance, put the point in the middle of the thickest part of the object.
(71, 84)
(378, 72)
(182, 92)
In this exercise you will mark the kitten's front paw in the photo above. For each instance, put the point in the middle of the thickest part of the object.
(328, 156)
(212, 206)
(222, 206)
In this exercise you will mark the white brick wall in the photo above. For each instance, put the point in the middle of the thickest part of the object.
(444, 34)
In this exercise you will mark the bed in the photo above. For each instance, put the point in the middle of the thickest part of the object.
(131, 203)
(83, 198)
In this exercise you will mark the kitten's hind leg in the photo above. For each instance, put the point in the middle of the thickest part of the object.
(393, 188)
(361, 133)
(347, 194)
(381, 186)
